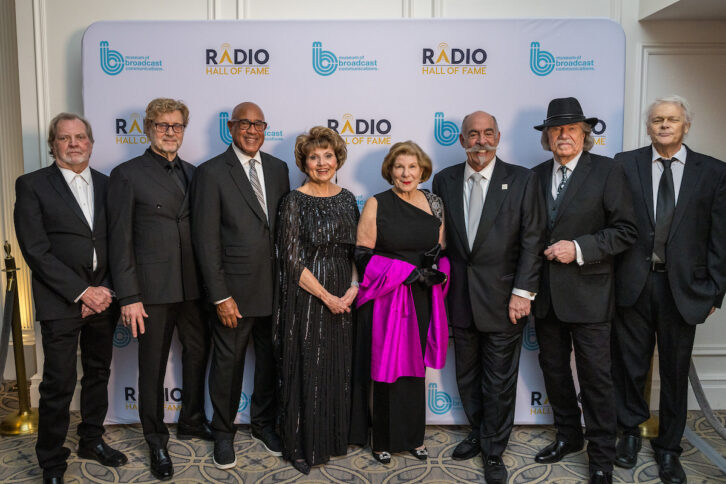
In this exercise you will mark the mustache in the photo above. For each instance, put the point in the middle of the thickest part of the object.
(477, 148)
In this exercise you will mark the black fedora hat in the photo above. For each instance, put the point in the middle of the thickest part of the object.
(564, 110)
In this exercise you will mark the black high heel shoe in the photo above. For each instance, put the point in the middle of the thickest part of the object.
(302, 466)
(420, 454)
(382, 457)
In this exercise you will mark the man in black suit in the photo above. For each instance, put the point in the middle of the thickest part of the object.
(234, 209)
(60, 220)
(590, 221)
(495, 236)
(156, 278)
(671, 280)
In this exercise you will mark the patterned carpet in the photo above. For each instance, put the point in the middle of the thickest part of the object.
(193, 459)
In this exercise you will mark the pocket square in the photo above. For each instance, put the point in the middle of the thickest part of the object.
(505, 186)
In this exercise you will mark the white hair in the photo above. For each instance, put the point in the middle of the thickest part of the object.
(672, 99)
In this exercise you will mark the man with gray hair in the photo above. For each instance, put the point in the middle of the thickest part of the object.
(60, 219)
(671, 280)
(591, 220)
(494, 240)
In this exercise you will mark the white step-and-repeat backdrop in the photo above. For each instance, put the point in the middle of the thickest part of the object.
(376, 83)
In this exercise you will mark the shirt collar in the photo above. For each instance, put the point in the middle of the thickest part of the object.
(244, 158)
(680, 154)
(486, 172)
(69, 175)
(571, 165)
(162, 160)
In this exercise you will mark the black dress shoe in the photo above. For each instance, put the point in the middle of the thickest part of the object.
(269, 440)
(161, 466)
(670, 469)
(626, 452)
(495, 472)
(601, 477)
(467, 448)
(302, 466)
(102, 453)
(203, 432)
(53, 480)
(557, 450)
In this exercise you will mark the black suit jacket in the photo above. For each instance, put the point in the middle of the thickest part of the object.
(597, 213)
(507, 250)
(57, 241)
(696, 246)
(233, 239)
(150, 245)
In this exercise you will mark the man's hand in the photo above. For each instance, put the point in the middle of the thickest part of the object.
(228, 313)
(562, 251)
(97, 298)
(132, 315)
(86, 311)
(519, 307)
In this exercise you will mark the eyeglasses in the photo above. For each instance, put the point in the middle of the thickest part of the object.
(244, 124)
(164, 127)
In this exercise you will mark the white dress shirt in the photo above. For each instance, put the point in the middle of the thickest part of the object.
(81, 186)
(556, 179)
(245, 161)
(486, 174)
(677, 167)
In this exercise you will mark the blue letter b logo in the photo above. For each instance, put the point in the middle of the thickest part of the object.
(223, 130)
(445, 132)
(324, 61)
(540, 61)
(112, 62)
(439, 402)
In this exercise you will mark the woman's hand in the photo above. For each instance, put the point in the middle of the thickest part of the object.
(335, 304)
(350, 295)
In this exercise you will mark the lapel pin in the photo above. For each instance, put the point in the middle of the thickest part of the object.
(504, 186)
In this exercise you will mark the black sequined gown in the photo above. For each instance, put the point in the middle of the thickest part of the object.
(314, 346)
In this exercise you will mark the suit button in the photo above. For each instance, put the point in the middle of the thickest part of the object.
(158, 206)
(652, 234)
(93, 239)
(647, 259)
(90, 266)
(178, 219)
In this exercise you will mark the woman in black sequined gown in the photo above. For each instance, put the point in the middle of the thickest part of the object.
(312, 323)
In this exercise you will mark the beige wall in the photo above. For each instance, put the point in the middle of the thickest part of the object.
(662, 57)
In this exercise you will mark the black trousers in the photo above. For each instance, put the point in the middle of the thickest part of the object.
(487, 366)
(225, 375)
(193, 331)
(654, 316)
(591, 342)
(60, 344)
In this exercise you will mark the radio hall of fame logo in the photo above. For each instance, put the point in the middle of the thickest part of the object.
(271, 134)
(113, 62)
(454, 61)
(236, 61)
(325, 62)
(539, 404)
(362, 131)
(130, 130)
(543, 62)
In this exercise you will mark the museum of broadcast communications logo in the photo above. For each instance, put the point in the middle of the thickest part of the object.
(326, 62)
(542, 62)
(455, 61)
(228, 61)
(113, 62)
(446, 133)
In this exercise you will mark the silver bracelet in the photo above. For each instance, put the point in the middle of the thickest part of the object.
(354, 284)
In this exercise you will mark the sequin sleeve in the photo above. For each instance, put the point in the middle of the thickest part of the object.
(289, 248)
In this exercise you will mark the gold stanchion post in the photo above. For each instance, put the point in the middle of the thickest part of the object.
(649, 428)
(25, 421)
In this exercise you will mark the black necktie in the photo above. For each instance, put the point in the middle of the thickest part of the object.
(563, 182)
(665, 207)
(176, 174)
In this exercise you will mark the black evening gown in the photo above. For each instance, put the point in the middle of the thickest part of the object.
(314, 346)
(398, 412)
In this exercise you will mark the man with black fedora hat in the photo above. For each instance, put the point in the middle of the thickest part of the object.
(590, 220)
